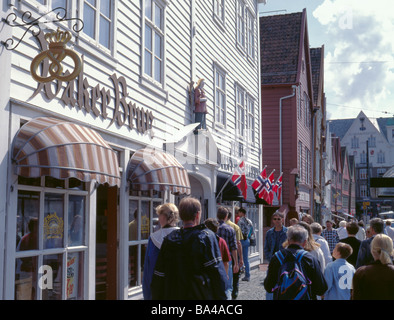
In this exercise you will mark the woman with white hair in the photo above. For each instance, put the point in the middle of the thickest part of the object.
(168, 218)
(342, 233)
(376, 280)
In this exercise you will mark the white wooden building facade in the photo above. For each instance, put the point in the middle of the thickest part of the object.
(139, 61)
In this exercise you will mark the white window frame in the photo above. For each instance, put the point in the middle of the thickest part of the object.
(299, 103)
(307, 110)
(363, 157)
(381, 157)
(251, 120)
(96, 39)
(362, 174)
(354, 142)
(250, 35)
(300, 163)
(65, 249)
(307, 165)
(153, 203)
(148, 81)
(219, 12)
(220, 121)
(363, 190)
(241, 25)
(371, 141)
(240, 111)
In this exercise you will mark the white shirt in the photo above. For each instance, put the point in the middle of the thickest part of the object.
(324, 248)
(360, 235)
(390, 232)
(342, 233)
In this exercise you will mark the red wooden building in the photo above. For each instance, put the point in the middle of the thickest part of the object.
(287, 110)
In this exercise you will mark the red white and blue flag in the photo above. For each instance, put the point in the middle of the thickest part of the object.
(268, 192)
(259, 183)
(239, 179)
(278, 187)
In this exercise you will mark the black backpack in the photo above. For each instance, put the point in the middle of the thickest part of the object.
(183, 280)
(292, 283)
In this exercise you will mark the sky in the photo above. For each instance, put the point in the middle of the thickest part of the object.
(358, 39)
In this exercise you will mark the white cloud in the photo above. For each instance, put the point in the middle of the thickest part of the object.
(359, 62)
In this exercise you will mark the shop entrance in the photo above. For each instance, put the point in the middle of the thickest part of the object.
(106, 243)
(197, 191)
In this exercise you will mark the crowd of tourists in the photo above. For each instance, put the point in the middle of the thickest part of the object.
(309, 261)
(201, 260)
(204, 260)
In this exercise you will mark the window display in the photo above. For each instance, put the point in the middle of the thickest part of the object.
(49, 261)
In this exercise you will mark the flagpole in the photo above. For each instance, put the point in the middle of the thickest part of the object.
(223, 187)
(268, 180)
(276, 191)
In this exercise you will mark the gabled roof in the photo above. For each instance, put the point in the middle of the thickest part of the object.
(317, 73)
(341, 126)
(280, 47)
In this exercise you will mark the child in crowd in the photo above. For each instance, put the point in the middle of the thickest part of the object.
(339, 274)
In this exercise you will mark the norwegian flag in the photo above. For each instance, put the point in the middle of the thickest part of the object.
(278, 186)
(239, 179)
(259, 183)
(268, 192)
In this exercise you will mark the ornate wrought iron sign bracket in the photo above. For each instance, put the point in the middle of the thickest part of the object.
(60, 15)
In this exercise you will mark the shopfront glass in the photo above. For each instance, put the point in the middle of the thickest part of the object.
(142, 222)
(50, 239)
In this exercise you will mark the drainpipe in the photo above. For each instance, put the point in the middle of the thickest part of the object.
(280, 130)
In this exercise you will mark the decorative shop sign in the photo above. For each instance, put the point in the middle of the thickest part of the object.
(57, 42)
(95, 100)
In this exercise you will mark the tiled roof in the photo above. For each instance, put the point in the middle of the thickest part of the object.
(280, 47)
(316, 68)
(340, 127)
(383, 123)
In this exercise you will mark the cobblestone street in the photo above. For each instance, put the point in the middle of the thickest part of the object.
(253, 289)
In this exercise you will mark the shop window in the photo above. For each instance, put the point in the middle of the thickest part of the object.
(142, 222)
(253, 215)
(50, 239)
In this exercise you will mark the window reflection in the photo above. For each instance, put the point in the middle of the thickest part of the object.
(26, 278)
(51, 277)
(27, 220)
(76, 214)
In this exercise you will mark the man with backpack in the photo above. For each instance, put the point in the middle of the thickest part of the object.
(293, 273)
(189, 265)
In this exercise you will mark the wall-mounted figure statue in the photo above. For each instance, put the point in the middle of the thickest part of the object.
(200, 105)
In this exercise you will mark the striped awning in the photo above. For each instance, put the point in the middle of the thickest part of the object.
(51, 147)
(151, 169)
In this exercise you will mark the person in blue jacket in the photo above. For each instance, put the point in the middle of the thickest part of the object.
(275, 236)
(168, 218)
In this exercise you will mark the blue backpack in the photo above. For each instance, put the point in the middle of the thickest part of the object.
(292, 283)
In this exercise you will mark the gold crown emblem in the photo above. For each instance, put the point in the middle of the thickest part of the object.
(57, 39)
